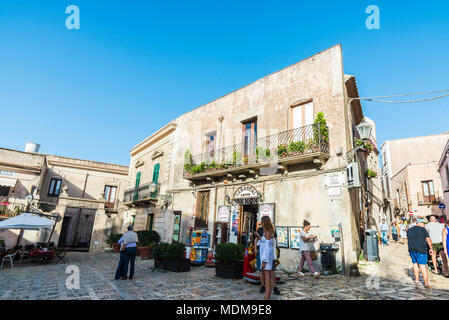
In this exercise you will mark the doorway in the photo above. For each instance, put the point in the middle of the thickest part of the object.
(248, 222)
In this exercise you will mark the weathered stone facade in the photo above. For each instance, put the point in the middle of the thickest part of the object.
(298, 186)
(67, 187)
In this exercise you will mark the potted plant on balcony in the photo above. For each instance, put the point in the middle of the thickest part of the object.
(282, 151)
(320, 132)
(147, 240)
(112, 240)
(364, 145)
(371, 174)
(229, 260)
(175, 259)
(296, 148)
(159, 255)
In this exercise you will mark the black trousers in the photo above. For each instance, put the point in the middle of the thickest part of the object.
(130, 257)
(121, 265)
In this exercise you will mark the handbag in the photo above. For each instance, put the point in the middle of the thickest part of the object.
(313, 255)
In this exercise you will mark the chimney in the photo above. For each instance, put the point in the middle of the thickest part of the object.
(32, 147)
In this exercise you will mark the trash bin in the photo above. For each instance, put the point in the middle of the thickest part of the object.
(372, 247)
(328, 256)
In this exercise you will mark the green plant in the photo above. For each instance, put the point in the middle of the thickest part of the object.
(176, 250)
(364, 145)
(320, 132)
(236, 158)
(113, 238)
(371, 173)
(160, 250)
(299, 146)
(148, 238)
(2, 242)
(229, 252)
(188, 157)
(282, 150)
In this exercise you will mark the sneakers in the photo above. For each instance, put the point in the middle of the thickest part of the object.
(276, 291)
(300, 274)
(262, 289)
(316, 274)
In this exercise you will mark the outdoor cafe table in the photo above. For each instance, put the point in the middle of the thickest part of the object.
(44, 254)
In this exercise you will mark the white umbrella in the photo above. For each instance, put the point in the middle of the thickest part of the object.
(27, 221)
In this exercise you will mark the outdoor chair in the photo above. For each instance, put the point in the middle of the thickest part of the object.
(10, 257)
(24, 254)
(60, 254)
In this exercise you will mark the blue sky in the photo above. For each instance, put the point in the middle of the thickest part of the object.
(133, 66)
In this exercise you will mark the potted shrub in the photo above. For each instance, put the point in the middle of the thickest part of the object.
(282, 151)
(159, 255)
(320, 131)
(371, 174)
(112, 240)
(229, 260)
(147, 240)
(175, 258)
(364, 146)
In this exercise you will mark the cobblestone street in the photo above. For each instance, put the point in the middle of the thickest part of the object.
(97, 273)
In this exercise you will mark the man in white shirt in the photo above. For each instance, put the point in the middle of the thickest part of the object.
(435, 230)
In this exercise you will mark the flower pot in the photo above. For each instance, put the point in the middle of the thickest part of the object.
(144, 252)
(160, 264)
(116, 248)
(178, 265)
(229, 270)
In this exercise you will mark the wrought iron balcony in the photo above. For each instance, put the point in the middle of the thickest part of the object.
(291, 146)
(141, 194)
(430, 199)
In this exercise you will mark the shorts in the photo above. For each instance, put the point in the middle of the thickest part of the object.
(418, 257)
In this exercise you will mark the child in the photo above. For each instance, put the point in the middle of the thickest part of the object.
(394, 231)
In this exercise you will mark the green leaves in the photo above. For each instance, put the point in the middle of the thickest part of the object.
(229, 252)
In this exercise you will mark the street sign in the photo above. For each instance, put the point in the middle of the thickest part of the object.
(441, 206)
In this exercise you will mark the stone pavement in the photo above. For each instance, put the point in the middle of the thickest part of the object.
(386, 280)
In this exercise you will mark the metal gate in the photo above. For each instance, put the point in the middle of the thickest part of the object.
(76, 229)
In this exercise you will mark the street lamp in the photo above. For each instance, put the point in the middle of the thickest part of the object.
(364, 130)
(28, 198)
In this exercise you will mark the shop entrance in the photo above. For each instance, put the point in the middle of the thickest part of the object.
(248, 222)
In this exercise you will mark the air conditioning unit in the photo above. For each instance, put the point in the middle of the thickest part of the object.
(352, 173)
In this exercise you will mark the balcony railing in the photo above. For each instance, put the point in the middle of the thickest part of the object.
(281, 147)
(143, 192)
(428, 199)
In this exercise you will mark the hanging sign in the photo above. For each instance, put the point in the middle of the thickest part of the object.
(245, 192)
(223, 214)
(266, 209)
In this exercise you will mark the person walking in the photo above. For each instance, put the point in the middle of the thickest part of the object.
(267, 254)
(384, 232)
(446, 239)
(435, 230)
(305, 246)
(258, 235)
(394, 232)
(418, 240)
(403, 231)
(130, 241)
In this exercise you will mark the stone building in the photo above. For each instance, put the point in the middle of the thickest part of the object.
(86, 194)
(411, 181)
(443, 169)
(260, 150)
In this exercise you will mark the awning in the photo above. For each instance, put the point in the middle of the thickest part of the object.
(27, 221)
(7, 182)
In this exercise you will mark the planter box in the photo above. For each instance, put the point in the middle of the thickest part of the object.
(232, 270)
(160, 264)
(116, 247)
(144, 252)
(178, 265)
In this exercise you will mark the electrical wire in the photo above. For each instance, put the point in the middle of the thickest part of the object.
(376, 99)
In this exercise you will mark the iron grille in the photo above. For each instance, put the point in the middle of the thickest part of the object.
(202, 213)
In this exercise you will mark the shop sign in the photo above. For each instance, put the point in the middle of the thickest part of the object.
(223, 214)
(234, 230)
(245, 192)
(8, 173)
(334, 192)
(335, 179)
(266, 209)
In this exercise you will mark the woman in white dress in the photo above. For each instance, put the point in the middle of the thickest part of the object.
(267, 254)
